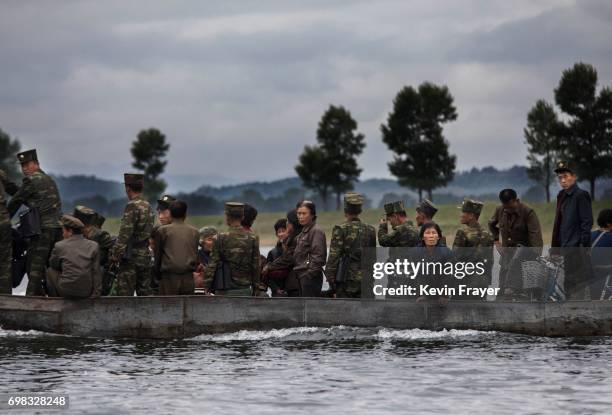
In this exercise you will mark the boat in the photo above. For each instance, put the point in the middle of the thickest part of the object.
(178, 317)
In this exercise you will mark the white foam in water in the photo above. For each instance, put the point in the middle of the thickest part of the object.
(418, 334)
(19, 333)
(243, 335)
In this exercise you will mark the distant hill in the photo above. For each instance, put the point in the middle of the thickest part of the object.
(80, 187)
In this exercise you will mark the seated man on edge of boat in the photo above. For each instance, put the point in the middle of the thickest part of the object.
(74, 266)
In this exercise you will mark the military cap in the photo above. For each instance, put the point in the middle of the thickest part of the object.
(234, 208)
(427, 208)
(353, 199)
(26, 156)
(69, 221)
(133, 178)
(563, 166)
(471, 206)
(99, 220)
(84, 214)
(164, 202)
(395, 207)
(207, 232)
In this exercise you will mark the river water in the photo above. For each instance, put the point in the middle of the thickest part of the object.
(315, 370)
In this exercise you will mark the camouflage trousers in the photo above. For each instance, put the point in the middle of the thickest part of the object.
(133, 277)
(6, 255)
(348, 289)
(39, 251)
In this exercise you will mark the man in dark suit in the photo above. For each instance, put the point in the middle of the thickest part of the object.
(572, 230)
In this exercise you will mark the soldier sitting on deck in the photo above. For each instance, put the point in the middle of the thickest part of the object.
(74, 270)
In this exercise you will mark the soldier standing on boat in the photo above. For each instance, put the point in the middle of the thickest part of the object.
(105, 242)
(234, 267)
(6, 242)
(521, 240)
(40, 194)
(131, 251)
(351, 243)
(474, 244)
(425, 212)
(404, 234)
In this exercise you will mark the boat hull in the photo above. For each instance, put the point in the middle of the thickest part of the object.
(187, 316)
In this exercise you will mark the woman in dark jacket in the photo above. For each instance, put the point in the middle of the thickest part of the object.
(432, 250)
(281, 268)
(310, 252)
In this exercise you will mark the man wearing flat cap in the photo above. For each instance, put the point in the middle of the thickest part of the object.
(239, 250)
(131, 251)
(90, 219)
(39, 193)
(350, 240)
(572, 229)
(74, 266)
(403, 233)
(163, 209)
(473, 243)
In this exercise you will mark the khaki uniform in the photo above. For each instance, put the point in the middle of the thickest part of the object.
(74, 269)
(176, 257)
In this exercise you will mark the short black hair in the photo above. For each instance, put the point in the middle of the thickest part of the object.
(178, 209)
(352, 209)
(250, 214)
(507, 196)
(307, 204)
(135, 187)
(280, 224)
(430, 225)
(604, 219)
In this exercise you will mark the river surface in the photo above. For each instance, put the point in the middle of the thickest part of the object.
(315, 370)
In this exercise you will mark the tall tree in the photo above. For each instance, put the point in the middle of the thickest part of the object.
(587, 134)
(148, 151)
(542, 139)
(8, 155)
(314, 172)
(413, 132)
(331, 166)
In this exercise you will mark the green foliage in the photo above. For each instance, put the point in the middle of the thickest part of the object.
(586, 136)
(148, 152)
(8, 155)
(331, 166)
(413, 132)
(542, 139)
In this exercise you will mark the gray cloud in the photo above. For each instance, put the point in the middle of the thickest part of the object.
(238, 87)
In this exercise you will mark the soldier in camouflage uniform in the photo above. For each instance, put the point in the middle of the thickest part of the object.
(473, 243)
(131, 250)
(92, 232)
(38, 191)
(403, 233)
(425, 212)
(240, 249)
(6, 243)
(356, 240)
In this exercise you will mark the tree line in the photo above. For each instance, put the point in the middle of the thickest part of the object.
(578, 129)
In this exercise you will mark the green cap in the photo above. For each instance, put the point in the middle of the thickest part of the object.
(353, 199)
(84, 214)
(133, 178)
(234, 208)
(164, 202)
(471, 206)
(427, 208)
(99, 220)
(71, 222)
(395, 207)
(27, 156)
(563, 166)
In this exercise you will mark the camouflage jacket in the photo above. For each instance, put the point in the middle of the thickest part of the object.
(104, 240)
(473, 243)
(404, 235)
(37, 191)
(241, 251)
(135, 229)
(349, 238)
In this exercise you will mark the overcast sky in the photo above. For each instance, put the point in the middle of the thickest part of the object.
(239, 86)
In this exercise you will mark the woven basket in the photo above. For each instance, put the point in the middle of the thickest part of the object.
(535, 275)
